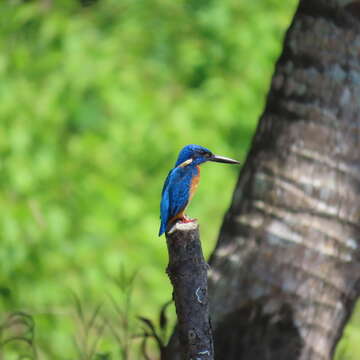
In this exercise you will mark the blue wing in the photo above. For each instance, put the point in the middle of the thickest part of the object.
(164, 205)
(175, 195)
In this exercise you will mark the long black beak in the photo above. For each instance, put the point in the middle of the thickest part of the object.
(223, 159)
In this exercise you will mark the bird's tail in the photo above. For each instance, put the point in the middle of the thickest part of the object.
(162, 228)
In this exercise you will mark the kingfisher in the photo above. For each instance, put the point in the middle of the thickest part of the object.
(182, 181)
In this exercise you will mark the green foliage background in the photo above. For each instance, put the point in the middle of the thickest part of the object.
(96, 101)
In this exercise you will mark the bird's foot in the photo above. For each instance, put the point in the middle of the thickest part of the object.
(186, 220)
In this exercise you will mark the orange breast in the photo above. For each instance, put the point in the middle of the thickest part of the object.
(194, 183)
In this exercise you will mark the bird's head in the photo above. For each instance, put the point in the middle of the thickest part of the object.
(196, 155)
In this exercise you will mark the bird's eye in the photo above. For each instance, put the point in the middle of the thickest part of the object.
(204, 153)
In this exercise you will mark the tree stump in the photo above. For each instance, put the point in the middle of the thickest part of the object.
(187, 271)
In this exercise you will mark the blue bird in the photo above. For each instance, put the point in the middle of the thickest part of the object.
(182, 181)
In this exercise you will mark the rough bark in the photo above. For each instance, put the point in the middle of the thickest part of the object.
(187, 271)
(285, 274)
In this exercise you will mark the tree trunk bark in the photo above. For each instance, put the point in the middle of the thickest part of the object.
(187, 271)
(285, 274)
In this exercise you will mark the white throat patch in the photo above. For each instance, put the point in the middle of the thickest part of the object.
(186, 163)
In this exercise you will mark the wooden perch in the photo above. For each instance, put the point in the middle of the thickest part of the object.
(187, 271)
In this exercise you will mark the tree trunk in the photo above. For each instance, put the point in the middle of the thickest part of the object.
(187, 271)
(285, 274)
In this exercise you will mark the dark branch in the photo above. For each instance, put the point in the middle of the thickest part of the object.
(187, 271)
